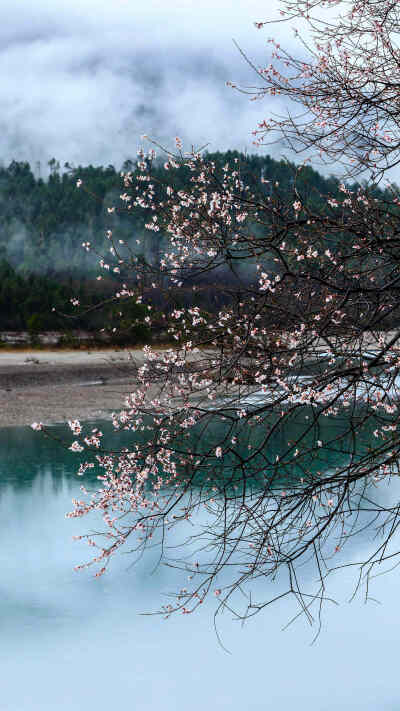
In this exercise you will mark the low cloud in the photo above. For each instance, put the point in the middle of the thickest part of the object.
(82, 82)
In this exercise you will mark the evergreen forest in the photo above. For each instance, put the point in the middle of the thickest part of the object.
(44, 222)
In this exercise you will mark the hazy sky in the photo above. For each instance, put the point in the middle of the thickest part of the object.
(82, 80)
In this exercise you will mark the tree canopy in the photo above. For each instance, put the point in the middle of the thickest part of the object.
(45, 222)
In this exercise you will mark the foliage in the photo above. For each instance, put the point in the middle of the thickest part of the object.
(45, 222)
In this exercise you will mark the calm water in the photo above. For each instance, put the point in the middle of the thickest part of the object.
(68, 641)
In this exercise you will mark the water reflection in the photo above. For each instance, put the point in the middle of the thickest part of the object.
(71, 642)
(25, 454)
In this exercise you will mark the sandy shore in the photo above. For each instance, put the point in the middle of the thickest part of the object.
(55, 386)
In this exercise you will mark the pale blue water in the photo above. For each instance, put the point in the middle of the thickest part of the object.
(68, 641)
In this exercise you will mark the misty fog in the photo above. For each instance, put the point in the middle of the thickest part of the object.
(84, 81)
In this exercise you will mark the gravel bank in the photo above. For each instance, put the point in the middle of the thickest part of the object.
(55, 386)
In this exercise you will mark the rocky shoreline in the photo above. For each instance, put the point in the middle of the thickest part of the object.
(52, 386)
(55, 386)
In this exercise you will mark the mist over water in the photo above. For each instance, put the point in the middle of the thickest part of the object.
(71, 641)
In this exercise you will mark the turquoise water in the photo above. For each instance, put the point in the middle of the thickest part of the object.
(69, 641)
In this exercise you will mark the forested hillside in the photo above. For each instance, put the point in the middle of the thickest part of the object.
(45, 221)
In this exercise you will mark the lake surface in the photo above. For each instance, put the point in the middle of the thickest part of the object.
(69, 641)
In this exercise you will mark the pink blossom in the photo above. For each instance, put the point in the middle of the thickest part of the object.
(37, 426)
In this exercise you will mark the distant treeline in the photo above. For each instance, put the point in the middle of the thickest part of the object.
(43, 224)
